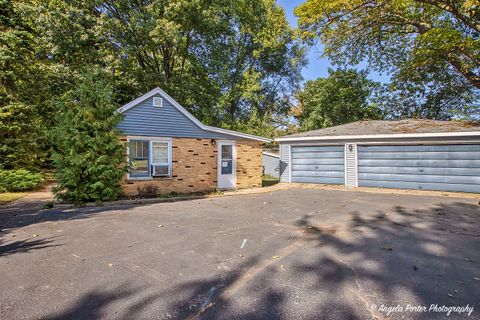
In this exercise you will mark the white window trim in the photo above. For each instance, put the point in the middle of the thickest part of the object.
(155, 99)
(150, 140)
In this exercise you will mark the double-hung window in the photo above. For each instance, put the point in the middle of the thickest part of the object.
(161, 158)
(150, 158)
(139, 158)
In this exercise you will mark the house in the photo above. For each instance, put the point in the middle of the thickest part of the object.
(169, 148)
(410, 154)
(271, 164)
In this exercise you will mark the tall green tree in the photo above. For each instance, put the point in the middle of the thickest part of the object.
(344, 96)
(88, 154)
(423, 44)
(224, 60)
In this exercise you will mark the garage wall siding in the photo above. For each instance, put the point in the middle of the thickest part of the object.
(434, 167)
(284, 158)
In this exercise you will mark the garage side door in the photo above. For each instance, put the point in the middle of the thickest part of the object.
(431, 167)
(318, 164)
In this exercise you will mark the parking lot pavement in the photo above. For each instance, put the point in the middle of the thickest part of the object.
(288, 254)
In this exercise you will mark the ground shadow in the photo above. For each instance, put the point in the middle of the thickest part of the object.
(24, 246)
(389, 257)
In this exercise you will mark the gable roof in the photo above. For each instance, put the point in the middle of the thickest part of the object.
(390, 129)
(157, 90)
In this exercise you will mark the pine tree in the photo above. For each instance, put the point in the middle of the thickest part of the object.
(89, 157)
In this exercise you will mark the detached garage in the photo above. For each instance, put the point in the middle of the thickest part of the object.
(408, 154)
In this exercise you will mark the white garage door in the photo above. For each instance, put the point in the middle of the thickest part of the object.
(431, 167)
(318, 164)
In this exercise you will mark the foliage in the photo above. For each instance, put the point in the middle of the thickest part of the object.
(431, 47)
(88, 154)
(147, 191)
(344, 96)
(19, 180)
(22, 137)
(222, 59)
(444, 97)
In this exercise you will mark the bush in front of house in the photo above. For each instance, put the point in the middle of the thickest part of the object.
(19, 180)
(147, 191)
(88, 154)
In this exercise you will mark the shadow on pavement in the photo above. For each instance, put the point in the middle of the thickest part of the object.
(396, 257)
(24, 246)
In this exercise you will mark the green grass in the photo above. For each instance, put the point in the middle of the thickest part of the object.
(6, 197)
(268, 180)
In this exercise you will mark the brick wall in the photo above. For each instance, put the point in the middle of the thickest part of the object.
(249, 164)
(194, 167)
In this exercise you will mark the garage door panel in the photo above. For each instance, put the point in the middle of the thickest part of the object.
(421, 170)
(326, 167)
(424, 186)
(322, 180)
(317, 149)
(419, 163)
(315, 155)
(334, 161)
(420, 178)
(329, 174)
(434, 167)
(424, 148)
(423, 155)
(318, 164)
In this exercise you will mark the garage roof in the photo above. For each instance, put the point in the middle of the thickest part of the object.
(390, 127)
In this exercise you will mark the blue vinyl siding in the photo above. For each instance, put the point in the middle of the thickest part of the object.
(167, 121)
(318, 164)
(431, 167)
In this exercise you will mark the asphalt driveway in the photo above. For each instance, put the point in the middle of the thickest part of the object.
(289, 254)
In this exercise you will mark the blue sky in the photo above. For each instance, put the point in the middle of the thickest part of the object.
(318, 66)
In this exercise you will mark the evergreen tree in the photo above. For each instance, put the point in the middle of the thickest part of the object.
(88, 154)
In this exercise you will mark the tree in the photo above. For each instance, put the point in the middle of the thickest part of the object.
(22, 137)
(88, 154)
(423, 43)
(344, 96)
(221, 59)
(224, 60)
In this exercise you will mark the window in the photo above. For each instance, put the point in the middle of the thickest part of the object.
(227, 159)
(138, 155)
(150, 158)
(157, 102)
(160, 158)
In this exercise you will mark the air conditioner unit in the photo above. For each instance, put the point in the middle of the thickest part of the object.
(160, 170)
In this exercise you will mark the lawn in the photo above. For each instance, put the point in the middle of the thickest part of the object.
(268, 180)
(6, 197)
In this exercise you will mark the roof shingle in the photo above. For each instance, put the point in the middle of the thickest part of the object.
(373, 127)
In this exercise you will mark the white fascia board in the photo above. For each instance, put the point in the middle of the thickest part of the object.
(188, 115)
(383, 136)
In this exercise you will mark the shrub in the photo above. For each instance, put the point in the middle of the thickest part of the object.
(147, 191)
(19, 180)
(88, 154)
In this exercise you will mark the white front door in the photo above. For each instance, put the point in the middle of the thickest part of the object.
(227, 154)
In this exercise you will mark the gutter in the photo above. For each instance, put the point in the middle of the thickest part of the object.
(383, 136)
